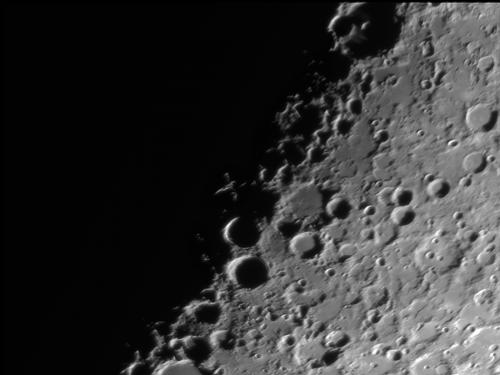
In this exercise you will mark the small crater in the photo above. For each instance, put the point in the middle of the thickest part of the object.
(366, 29)
(402, 215)
(480, 117)
(355, 106)
(474, 162)
(343, 126)
(207, 312)
(438, 188)
(292, 152)
(338, 207)
(241, 231)
(373, 316)
(286, 343)
(340, 25)
(402, 197)
(336, 339)
(220, 339)
(394, 354)
(304, 244)
(330, 356)
(248, 271)
(381, 136)
(287, 228)
(196, 348)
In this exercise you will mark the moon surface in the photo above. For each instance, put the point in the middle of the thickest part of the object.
(381, 254)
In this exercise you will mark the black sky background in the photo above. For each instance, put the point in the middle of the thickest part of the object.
(117, 119)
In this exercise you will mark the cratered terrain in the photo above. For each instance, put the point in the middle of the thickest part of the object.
(381, 252)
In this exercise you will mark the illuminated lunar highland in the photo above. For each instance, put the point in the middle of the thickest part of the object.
(382, 255)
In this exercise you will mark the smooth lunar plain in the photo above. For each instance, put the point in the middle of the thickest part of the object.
(381, 256)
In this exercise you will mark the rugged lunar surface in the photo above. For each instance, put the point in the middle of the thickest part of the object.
(381, 256)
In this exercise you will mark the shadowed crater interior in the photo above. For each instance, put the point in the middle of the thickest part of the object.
(251, 272)
(207, 312)
(196, 348)
(368, 28)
